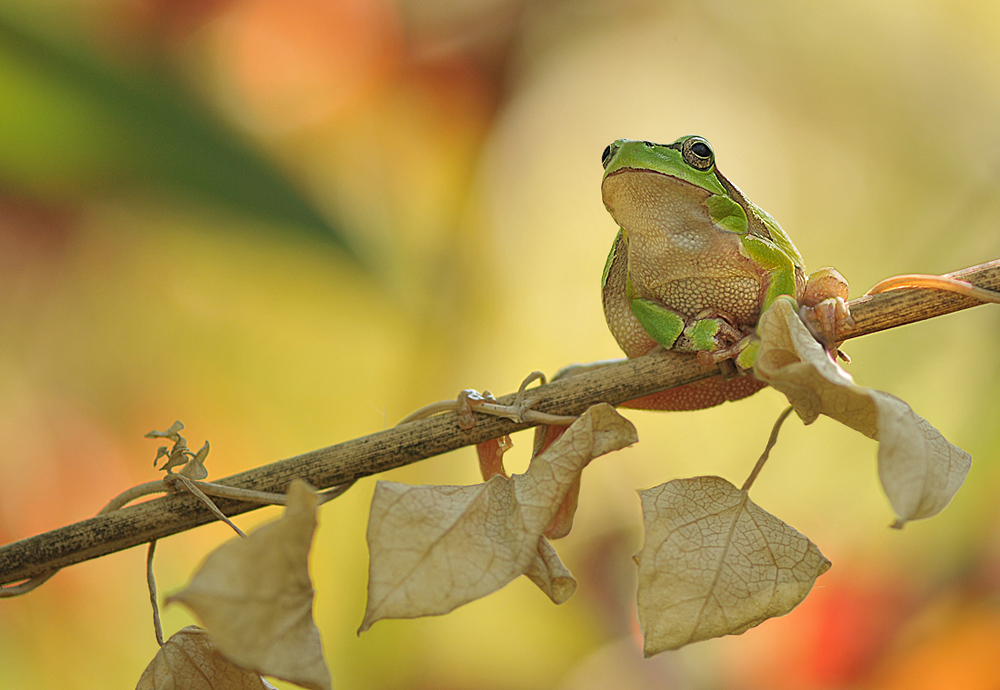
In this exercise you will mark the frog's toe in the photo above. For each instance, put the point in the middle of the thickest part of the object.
(827, 320)
(704, 335)
(824, 284)
(709, 334)
(734, 352)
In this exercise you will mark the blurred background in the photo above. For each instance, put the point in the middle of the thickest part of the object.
(289, 224)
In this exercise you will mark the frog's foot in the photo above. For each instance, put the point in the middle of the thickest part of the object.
(709, 331)
(822, 285)
(713, 335)
(826, 320)
(729, 358)
(823, 308)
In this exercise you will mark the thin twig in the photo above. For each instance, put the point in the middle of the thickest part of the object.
(429, 411)
(898, 307)
(7, 591)
(190, 486)
(335, 491)
(346, 462)
(921, 280)
(221, 491)
(519, 411)
(151, 581)
(767, 449)
(138, 491)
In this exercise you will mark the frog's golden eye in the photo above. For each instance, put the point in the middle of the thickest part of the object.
(606, 156)
(698, 153)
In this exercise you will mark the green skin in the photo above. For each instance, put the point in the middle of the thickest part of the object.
(695, 263)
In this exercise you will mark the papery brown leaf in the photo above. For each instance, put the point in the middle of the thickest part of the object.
(195, 466)
(919, 470)
(189, 661)
(434, 548)
(177, 457)
(173, 433)
(255, 597)
(551, 576)
(491, 456)
(562, 522)
(714, 563)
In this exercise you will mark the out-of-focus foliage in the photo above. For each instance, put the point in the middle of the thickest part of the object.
(72, 127)
(456, 147)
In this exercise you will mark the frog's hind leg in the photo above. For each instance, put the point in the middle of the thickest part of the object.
(698, 395)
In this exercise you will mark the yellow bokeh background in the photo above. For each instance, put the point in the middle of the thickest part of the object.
(454, 146)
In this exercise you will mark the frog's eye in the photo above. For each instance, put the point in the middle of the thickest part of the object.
(606, 156)
(698, 153)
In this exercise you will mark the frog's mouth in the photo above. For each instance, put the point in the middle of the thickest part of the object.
(641, 200)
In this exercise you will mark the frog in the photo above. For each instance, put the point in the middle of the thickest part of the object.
(694, 265)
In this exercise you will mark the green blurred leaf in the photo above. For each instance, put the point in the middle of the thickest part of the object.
(71, 125)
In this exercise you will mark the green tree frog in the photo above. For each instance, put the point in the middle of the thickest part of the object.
(694, 265)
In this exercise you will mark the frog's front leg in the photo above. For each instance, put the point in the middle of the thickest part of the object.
(708, 331)
(664, 325)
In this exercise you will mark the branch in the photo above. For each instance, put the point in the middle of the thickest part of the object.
(414, 441)
(874, 313)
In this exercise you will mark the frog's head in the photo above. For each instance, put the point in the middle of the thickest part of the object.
(645, 182)
(690, 154)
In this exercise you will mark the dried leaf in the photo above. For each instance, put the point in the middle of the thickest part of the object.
(919, 470)
(189, 661)
(491, 456)
(434, 548)
(562, 522)
(551, 576)
(173, 433)
(195, 466)
(177, 457)
(714, 563)
(255, 597)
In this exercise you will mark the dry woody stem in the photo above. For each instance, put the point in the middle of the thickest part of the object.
(417, 440)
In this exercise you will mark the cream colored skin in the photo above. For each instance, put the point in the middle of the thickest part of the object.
(695, 263)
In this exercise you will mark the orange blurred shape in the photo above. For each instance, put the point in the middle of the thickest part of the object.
(59, 464)
(832, 640)
(963, 653)
(292, 63)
